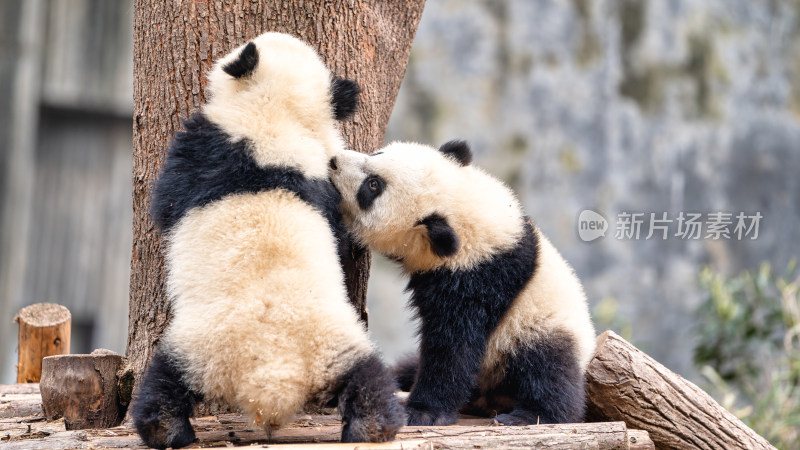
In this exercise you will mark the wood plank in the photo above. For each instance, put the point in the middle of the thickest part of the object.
(19, 388)
(318, 431)
(323, 431)
(20, 405)
(20, 401)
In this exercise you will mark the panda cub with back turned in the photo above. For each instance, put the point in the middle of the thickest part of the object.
(261, 318)
(505, 327)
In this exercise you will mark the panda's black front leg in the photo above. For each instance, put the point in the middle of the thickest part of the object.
(451, 351)
(163, 405)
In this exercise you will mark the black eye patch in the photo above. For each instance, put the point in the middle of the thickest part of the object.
(372, 187)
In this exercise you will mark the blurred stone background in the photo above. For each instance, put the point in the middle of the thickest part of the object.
(618, 106)
(661, 106)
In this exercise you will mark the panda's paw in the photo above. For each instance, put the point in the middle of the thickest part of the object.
(381, 428)
(423, 417)
(370, 411)
(517, 418)
(173, 432)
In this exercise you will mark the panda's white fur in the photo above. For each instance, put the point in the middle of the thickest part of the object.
(283, 107)
(422, 182)
(553, 297)
(261, 318)
(423, 196)
(279, 325)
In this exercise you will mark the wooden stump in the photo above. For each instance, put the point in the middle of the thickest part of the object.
(83, 389)
(623, 383)
(44, 330)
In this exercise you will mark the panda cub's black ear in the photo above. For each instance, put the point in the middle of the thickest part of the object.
(443, 238)
(245, 64)
(344, 97)
(459, 150)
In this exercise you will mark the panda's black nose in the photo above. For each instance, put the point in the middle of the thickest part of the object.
(332, 164)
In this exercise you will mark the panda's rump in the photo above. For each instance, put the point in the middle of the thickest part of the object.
(260, 308)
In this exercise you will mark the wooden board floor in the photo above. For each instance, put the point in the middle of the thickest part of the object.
(22, 426)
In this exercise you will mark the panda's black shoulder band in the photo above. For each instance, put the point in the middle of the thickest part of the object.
(204, 165)
(489, 286)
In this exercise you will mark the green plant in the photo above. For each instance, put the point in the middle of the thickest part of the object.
(749, 348)
(606, 316)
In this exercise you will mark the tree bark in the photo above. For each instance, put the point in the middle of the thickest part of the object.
(175, 45)
(623, 383)
(44, 330)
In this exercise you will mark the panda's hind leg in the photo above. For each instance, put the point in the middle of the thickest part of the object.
(546, 382)
(163, 405)
(405, 372)
(370, 411)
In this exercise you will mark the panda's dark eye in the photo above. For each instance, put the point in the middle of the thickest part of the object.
(371, 188)
(373, 185)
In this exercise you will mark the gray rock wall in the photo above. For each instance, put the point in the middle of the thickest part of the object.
(617, 106)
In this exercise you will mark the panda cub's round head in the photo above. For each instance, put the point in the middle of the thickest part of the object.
(425, 207)
(276, 92)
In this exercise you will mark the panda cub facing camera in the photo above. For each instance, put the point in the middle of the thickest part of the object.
(504, 323)
(261, 318)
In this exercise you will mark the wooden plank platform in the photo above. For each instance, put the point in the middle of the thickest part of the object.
(22, 426)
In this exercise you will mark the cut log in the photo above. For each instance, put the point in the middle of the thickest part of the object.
(83, 389)
(623, 383)
(44, 330)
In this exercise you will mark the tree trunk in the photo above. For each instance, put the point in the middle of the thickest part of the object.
(175, 45)
(623, 383)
